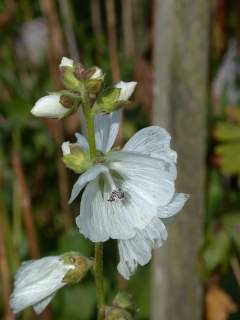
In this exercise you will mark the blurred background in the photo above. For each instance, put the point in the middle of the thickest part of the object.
(185, 56)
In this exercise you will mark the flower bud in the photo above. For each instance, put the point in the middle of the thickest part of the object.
(75, 157)
(123, 300)
(81, 266)
(94, 79)
(67, 70)
(54, 106)
(114, 98)
(113, 313)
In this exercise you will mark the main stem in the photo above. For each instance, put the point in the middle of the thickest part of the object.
(98, 246)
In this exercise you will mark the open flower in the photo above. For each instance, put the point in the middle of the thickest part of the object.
(37, 281)
(128, 192)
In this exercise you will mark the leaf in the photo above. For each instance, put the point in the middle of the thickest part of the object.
(227, 131)
(217, 250)
(219, 305)
(231, 223)
(229, 157)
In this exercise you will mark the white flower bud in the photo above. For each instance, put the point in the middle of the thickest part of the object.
(37, 281)
(127, 89)
(66, 62)
(49, 107)
(98, 74)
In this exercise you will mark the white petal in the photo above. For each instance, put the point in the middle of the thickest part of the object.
(82, 141)
(106, 130)
(174, 206)
(127, 89)
(40, 306)
(98, 74)
(37, 280)
(84, 178)
(152, 179)
(66, 148)
(101, 219)
(138, 250)
(49, 107)
(66, 62)
(153, 141)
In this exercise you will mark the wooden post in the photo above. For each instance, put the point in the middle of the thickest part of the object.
(180, 103)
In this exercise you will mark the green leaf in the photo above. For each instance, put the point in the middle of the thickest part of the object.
(229, 157)
(231, 223)
(227, 131)
(217, 250)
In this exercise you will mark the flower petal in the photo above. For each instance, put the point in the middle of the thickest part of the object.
(49, 107)
(101, 219)
(174, 206)
(127, 89)
(40, 306)
(138, 250)
(106, 130)
(152, 179)
(66, 62)
(37, 280)
(82, 141)
(153, 141)
(84, 178)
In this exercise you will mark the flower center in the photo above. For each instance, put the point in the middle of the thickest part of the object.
(116, 193)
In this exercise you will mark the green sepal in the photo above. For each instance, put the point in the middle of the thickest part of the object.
(81, 266)
(77, 160)
(107, 102)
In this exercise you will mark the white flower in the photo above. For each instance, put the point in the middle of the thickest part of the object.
(128, 192)
(49, 107)
(66, 62)
(98, 74)
(127, 89)
(37, 282)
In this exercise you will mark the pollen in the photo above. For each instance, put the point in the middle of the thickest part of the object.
(116, 195)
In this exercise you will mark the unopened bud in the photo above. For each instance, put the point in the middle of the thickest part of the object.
(75, 157)
(94, 78)
(80, 267)
(67, 70)
(123, 300)
(115, 98)
(52, 106)
(113, 313)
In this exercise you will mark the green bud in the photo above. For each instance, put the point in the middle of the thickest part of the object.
(123, 300)
(81, 266)
(113, 313)
(75, 157)
(108, 102)
(69, 79)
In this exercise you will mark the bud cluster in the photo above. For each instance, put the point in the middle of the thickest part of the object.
(80, 81)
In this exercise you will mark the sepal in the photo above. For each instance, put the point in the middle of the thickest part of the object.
(75, 157)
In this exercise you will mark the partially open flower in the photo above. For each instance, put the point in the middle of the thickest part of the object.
(114, 98)
(94, 78)
(37, 281)
(69, 77)
(54, 106)
(75, 157)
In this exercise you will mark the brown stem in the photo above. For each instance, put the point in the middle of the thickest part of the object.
(112, 39)
(67, 19)
(4, 267)
(26, 205)
(55, 52)
(97, 24)
(236, 268)
(127, 23)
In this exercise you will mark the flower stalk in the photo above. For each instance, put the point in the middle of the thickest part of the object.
(98, 246)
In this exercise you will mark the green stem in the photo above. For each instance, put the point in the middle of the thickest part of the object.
(99, 280)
